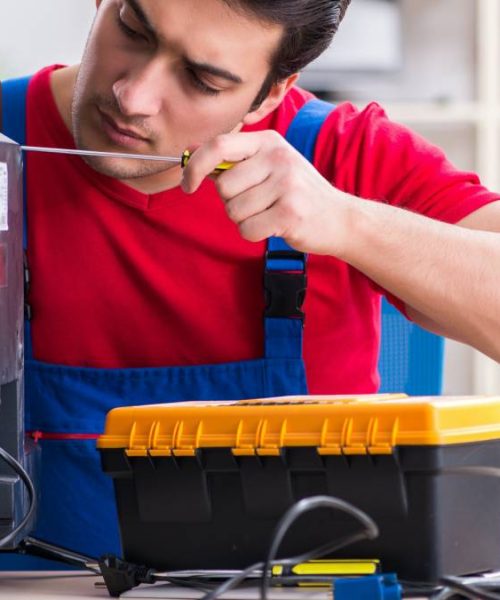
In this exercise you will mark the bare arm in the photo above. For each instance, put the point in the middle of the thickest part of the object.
(448, 276)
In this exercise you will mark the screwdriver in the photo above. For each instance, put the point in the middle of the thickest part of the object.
(183, 160)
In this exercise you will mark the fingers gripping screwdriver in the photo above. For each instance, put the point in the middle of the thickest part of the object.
(183, 160)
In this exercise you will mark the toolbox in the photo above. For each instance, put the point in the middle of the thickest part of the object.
(203, 484)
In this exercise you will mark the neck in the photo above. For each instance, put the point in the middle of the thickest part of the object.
(62, 83)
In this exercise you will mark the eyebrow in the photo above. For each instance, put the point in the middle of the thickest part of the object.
(141, 15)
(192, 64)
(212, 70)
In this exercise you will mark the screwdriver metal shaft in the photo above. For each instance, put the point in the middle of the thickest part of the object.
(172, 159)
(183, 160)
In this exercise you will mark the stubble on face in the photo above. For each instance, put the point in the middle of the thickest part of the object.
(87, 111)
(190, 118)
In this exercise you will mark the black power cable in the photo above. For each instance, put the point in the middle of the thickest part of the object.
(370, 531)
(468, 590)
(19, 470)
(457, 584)
(461, 586)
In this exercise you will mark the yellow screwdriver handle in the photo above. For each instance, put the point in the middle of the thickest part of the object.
(224, 166)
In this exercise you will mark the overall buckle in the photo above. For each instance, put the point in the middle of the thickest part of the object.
(285, 290)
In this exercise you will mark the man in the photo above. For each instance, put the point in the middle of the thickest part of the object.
(139, 284)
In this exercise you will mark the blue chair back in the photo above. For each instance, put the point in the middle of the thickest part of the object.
(411, 359)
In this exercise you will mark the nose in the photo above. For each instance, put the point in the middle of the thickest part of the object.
(138, 93)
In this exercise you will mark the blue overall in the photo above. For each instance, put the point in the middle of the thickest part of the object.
(77, 508)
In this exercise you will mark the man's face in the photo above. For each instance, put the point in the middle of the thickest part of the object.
(160, 76)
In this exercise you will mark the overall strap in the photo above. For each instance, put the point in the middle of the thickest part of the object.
(13, 108)
(285, 269)
(13, 94)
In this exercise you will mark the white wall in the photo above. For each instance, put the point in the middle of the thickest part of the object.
(36, 33)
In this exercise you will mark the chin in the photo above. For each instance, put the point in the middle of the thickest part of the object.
(123, 168)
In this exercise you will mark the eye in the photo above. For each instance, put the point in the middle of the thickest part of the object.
(200, 84)
(130, 32)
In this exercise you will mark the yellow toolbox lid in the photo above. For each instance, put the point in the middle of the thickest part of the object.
(372, 424)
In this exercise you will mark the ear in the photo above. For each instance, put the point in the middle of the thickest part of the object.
(272, 100)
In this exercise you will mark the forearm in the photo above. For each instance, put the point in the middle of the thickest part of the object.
(446, 273)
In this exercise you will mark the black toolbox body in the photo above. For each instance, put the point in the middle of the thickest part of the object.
(437, 505)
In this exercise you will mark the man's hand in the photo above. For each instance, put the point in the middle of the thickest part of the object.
(273, 191)
(446, 275)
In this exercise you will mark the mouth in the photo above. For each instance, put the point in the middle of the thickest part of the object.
(119, 134)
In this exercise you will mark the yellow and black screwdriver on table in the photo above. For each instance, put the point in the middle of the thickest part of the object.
(183, 160)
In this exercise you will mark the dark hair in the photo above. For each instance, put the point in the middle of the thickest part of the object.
(308, 29)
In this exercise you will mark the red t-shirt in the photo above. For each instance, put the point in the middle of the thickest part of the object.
(125, 279)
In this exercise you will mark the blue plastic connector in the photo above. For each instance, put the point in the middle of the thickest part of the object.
(371, 587)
